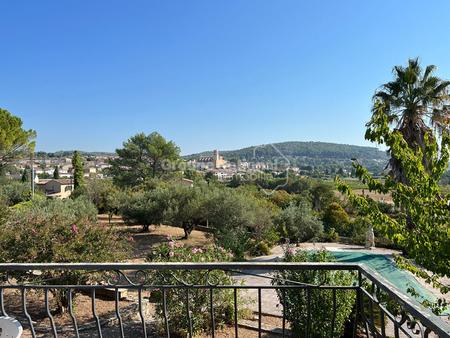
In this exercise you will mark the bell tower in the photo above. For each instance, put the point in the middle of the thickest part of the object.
(216, 158)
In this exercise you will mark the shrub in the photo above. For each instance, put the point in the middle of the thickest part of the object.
(199, 299)
(239, 219)
(298, 222)
(295, 302)
(14, 192)
(358, 230)
(4, 211)
(51, 231)
(104, 195)
(261, 248)
(330, 236)
(281, 198)
(336, 217)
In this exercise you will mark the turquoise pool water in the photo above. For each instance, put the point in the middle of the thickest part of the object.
(386, 268)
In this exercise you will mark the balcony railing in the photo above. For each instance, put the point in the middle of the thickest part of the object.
(380, 309)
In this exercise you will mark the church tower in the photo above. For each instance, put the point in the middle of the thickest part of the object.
(216, 159)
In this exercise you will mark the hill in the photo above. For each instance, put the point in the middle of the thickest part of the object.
(318, 150)
(312, 157)
(69, 153)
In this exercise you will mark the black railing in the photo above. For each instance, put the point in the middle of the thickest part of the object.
(41, 298)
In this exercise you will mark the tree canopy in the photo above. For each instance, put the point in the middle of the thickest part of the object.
(78, 170)
(143, 157)
(14, 140)
(416, 102)
(420, 223)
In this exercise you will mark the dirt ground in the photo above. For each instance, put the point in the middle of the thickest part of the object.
(142, 242)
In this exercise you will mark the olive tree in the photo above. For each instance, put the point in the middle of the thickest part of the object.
(298, 222)
(145, 207)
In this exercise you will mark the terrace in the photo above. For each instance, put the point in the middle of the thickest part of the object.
(380, 309)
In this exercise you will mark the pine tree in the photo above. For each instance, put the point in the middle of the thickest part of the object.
(78, 175)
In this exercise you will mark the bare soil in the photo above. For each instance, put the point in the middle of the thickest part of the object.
(142, 242)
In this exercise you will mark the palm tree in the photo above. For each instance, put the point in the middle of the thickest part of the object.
(417, 104)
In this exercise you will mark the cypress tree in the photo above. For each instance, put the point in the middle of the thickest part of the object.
(78, 175)
(25, 175)
(56, 172)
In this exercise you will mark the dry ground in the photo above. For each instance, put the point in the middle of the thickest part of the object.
(142, 242)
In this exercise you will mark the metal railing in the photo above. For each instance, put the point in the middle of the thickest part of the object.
(30, 293)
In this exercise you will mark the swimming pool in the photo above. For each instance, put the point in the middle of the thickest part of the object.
(387, 269)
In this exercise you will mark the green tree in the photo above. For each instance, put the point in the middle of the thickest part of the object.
(337, 218)
(416, 102)
(281, 198)
(56, 172)
(184, 208)
(240, 219)
(322, 195)
(78, 170)
(420, 224)
(298, 222)
(15, 141)
(25, 175)
(143, 157)
(105, 195)
(145, 207)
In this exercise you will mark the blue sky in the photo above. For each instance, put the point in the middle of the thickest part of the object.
(208, 74)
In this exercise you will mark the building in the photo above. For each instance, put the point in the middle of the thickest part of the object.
(55, 188)
(211, 162)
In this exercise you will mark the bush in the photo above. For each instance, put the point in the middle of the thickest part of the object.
(104, 195)
(295, 302)
(281, 198)
(199, 300)
(298, 222)
(14, 192)
(52, 231)
(261, 248)
(239, 219)
(358, 230)
(330, 236)
(336, 217)
(4, 211)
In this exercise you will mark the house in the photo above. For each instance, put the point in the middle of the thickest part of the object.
(90, 171)
(55, 188)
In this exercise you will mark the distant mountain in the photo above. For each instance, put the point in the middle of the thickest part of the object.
(313, 150)
(69, 153)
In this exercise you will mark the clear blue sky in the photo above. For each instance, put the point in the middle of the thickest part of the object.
(208, 74)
